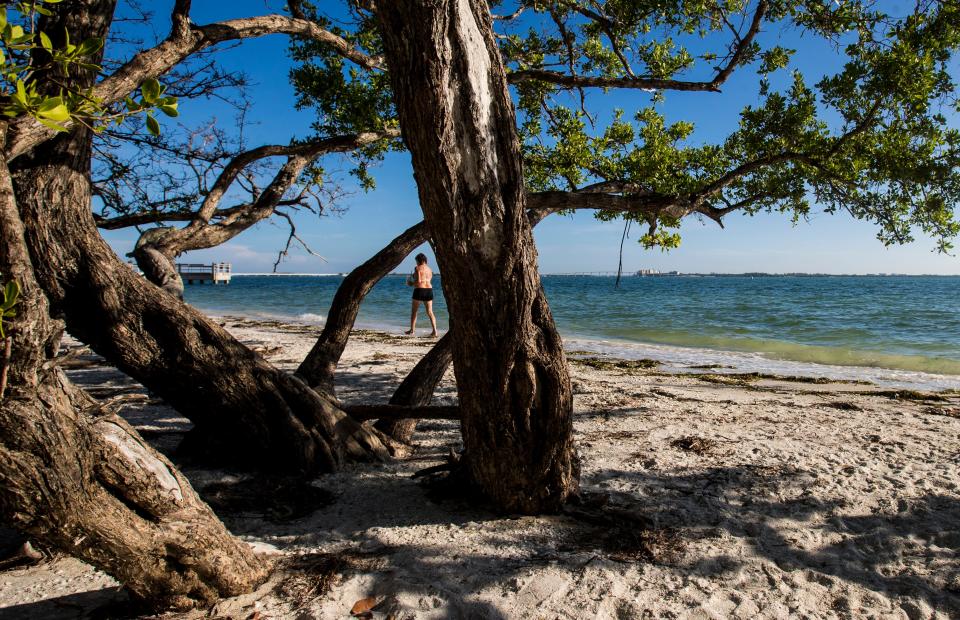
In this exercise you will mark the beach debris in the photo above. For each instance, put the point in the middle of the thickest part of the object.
(843, 405)
(25, 554)
(912, 395)
(950, 412)
(624, 536)
(363, 608)
(614, 364)
(267, 351)
(697, 445)
(309, 576)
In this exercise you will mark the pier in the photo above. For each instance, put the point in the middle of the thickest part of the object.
(217, 273)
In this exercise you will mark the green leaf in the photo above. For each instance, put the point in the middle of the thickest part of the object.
(45, 42)
(54, 109)
(153, 126)
(10, 294)
(151, 90)
(3, 18)
(90, 46)
(170, 109)
(21, 93)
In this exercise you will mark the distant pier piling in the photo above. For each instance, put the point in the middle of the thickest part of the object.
(216, 273)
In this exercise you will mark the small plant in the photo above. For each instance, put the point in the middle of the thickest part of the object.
(11, 295)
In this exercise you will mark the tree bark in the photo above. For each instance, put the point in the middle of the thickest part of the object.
(416, 390)
(80, 480)
(157, 266)
(458, 122)
(320, 365)
(251, 413)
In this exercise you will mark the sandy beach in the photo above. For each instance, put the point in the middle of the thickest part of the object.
(723, 496)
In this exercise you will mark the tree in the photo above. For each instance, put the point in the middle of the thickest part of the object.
(71, 474)
(245, 410)
(872, 139)
(882, 104)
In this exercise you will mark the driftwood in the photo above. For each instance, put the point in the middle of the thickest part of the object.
(361, 413)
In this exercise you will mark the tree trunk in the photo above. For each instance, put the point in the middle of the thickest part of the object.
(157, 266)
(458, 122)
(251, 413)
(320, 365)
(417, 388)
(83, 481)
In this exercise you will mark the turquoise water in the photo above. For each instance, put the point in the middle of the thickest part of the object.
(904, 328)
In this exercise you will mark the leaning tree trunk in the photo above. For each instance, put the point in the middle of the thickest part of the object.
(417, 388)
(320, 365)
(248, 411)
(458, 122)
(81, 480)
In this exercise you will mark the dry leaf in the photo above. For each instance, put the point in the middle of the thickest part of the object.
(363, 606)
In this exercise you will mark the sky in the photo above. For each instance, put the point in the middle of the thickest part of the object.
(566, 244)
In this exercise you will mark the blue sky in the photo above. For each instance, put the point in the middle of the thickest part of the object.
(827, 244)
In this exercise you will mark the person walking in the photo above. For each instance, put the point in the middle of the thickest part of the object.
(422, 292)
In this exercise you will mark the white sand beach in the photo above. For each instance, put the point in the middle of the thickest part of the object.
(724, 497)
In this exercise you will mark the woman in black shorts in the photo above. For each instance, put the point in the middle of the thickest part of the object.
(422, 292)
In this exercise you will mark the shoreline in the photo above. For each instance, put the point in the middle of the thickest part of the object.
(681, 359)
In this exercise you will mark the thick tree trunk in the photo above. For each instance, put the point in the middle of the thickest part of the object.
(417, 388)
(458, 121)
(258, 415)
(320, 365)
(83, 481)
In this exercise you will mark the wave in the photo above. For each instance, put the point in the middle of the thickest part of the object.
(310, 317)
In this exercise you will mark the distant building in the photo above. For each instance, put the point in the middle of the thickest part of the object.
(648, 272)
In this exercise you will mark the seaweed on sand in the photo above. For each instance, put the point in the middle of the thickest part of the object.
(614, 364)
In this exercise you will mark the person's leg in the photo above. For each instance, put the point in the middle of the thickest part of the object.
(413, 317)
(433, 319)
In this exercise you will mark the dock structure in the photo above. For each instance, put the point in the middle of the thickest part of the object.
(216, 273)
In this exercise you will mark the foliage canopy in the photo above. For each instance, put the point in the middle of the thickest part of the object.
(875, 137)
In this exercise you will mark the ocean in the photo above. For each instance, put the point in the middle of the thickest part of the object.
(897, 331)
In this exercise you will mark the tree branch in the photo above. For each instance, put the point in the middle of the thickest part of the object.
(186, 39)
(290, 238)
(645, 82)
